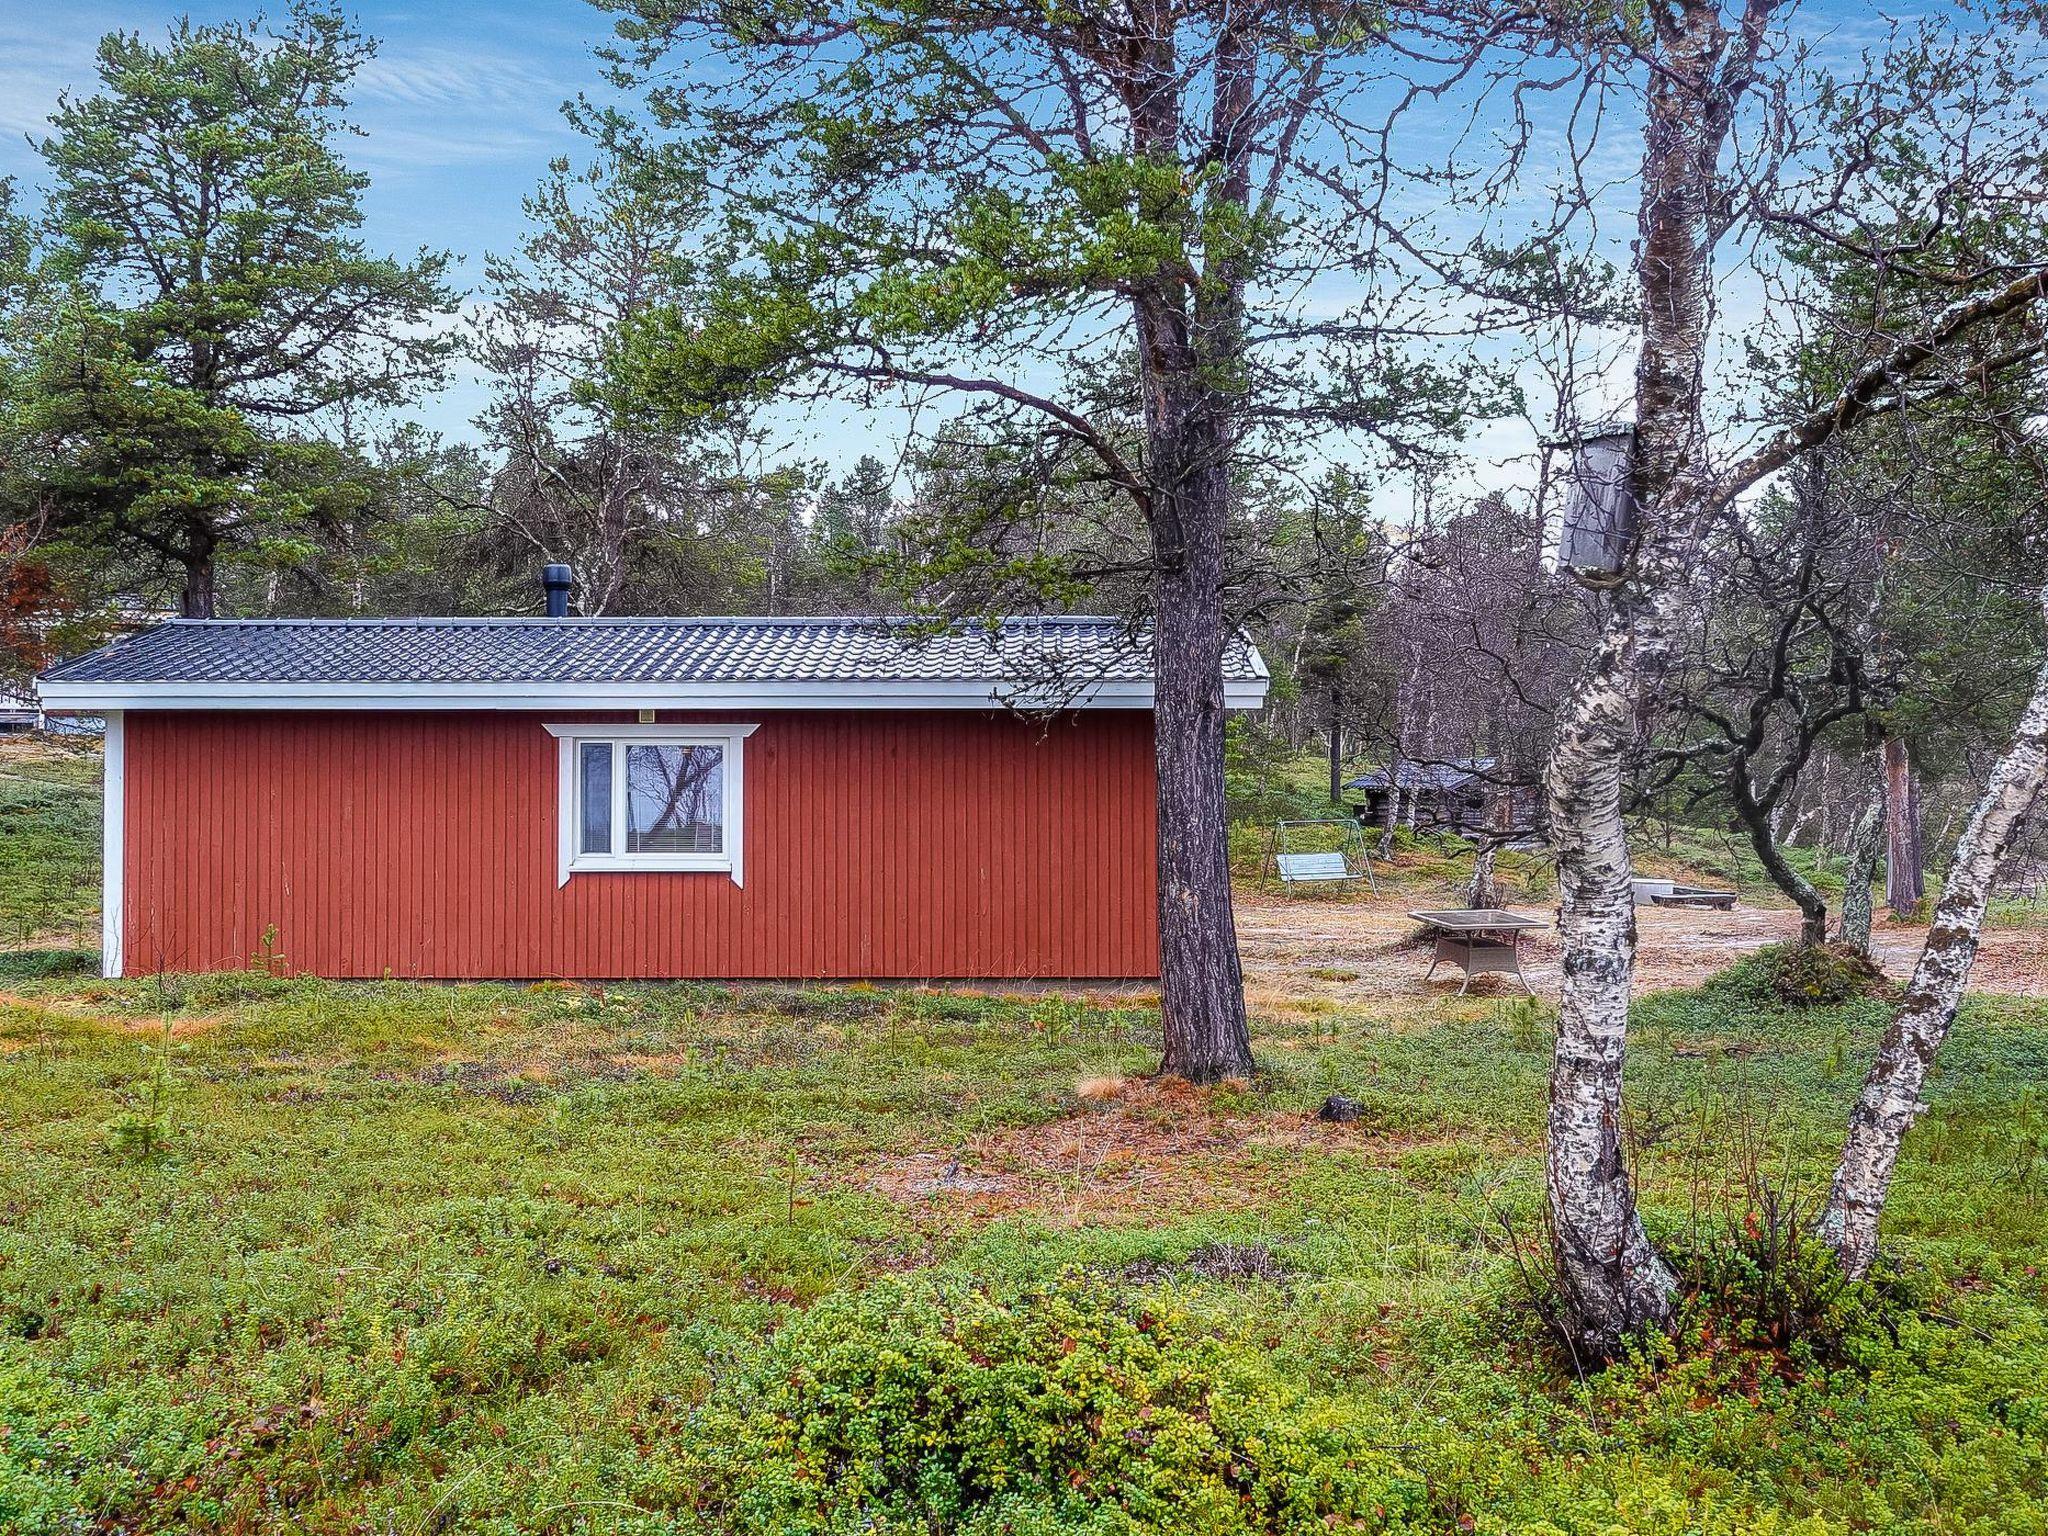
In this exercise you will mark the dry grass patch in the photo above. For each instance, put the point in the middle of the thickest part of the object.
(1137, 1150)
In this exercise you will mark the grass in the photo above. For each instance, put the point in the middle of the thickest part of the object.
(49, 840)
(285, 1255)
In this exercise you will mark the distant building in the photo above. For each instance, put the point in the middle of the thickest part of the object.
(19, 709)
(1464, 795)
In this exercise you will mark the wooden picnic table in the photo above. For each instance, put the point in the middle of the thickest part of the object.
(1484, 939)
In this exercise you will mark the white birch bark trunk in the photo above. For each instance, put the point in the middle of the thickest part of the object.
(1860, 869)
(1614, 1283)
(1484, 891)
(1890, 1101)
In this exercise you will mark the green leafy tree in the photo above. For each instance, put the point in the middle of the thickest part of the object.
(974, 202)
(221, 304)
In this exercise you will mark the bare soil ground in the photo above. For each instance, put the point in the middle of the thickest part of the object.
(1360, 947)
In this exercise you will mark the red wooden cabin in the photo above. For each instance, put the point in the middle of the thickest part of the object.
(613, 798)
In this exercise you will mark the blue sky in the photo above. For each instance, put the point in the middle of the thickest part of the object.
(460, 112)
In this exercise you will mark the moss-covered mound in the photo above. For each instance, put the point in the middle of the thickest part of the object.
(1804, 975)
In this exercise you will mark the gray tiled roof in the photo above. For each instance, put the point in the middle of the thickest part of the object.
(655, 650)
(1430, 776)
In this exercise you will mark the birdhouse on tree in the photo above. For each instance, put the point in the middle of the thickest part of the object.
(1599, 507)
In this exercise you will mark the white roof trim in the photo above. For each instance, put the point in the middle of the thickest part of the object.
(526, 695)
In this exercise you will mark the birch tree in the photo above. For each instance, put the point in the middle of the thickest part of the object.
(1699, 65)
(1890, 1101)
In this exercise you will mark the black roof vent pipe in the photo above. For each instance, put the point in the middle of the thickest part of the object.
(555, 581)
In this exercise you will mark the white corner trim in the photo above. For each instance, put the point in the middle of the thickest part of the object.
(113, 840)
(730, 738)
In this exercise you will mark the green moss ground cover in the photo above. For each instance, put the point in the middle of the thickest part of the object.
(49, 841)
(283, 1255)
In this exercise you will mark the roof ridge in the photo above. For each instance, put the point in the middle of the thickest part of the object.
(733, 620)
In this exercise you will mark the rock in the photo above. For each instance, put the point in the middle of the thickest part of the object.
(1337, 1107)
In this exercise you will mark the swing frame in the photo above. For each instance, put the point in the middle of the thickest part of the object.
(1357, 863)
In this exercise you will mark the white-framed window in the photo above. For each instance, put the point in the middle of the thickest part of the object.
(650, 797)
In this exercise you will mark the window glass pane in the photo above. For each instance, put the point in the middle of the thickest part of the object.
(675, 799)
(597, 797)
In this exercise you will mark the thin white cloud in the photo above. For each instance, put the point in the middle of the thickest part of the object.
(442, 78)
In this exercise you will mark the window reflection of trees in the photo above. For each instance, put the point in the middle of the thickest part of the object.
(675, 799)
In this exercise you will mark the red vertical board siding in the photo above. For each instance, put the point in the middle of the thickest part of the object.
(914, 844)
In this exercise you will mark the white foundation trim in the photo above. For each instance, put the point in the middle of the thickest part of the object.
(113, 840)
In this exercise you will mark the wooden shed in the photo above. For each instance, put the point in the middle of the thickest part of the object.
(622, 798)
(1467, 795)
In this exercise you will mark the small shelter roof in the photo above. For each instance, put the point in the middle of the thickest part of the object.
(1426, 776)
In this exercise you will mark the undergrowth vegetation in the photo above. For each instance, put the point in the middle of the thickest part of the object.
(49, 840)
(1802, 975)
(284, 1255)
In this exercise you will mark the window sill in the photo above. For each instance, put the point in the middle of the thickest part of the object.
(591, 866)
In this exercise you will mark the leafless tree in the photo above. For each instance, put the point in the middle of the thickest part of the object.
(576, 484)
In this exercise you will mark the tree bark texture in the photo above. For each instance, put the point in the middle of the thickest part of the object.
(1890, 1101)
(1484, 891)
(198, 599)
(1190, 344)
(1614, 1284)
(1813, 907)
(1336, 748)
(1905, 886)
(1861, 868)
(1206, 1036)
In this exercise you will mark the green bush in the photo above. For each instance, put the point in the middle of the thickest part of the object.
(931, 1407)
(1770, 1283)
(36, 964)
(1803, 975)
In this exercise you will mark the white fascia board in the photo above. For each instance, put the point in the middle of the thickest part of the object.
(101, 697)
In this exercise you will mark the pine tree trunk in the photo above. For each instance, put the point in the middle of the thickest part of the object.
(1200, 979)
(1890, 1101)
(198, 598)
(1336, 748)
(1904, 884)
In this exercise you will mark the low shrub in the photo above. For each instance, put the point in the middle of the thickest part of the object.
(1803, 975)
(927, 1406)
(1769, 1283)
(38, 964)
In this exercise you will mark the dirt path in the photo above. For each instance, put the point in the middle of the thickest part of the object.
(1355, 948)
